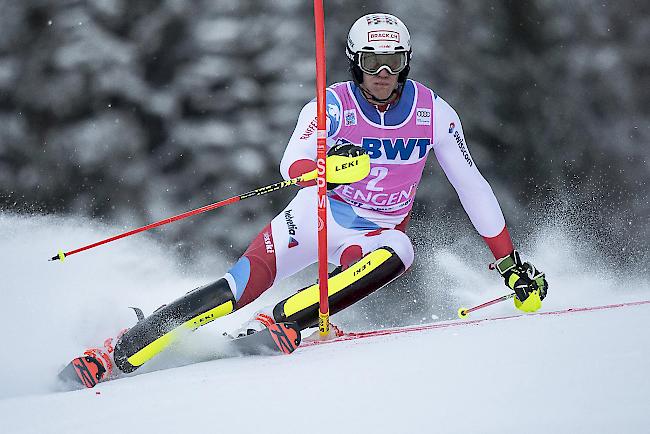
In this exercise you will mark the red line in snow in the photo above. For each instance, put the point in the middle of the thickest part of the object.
(374, 333)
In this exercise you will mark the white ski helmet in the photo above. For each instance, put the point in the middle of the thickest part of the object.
(379, 41)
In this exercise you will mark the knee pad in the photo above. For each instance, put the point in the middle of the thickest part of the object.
(373, 271)
(400, 243)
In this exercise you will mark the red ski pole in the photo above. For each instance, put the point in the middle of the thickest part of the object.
(463, 312)
(344, 170)
(260, 191)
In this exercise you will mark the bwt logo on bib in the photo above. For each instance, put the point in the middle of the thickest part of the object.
(395, 148)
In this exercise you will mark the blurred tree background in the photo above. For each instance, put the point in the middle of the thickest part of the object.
(130, 112)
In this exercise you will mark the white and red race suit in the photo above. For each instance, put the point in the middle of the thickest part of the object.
(373, 212)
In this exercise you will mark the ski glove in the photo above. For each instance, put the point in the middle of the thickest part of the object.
(528, 283)
(344, 150)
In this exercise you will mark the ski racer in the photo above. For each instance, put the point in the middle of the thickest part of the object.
(398, 122)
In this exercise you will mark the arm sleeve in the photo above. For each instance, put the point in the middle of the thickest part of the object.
(302, 145)
(473, 190)
(300, 155)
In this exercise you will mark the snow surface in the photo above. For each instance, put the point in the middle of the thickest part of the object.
(582, 372)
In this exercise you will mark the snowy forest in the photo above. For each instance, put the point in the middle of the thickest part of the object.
(130, 112)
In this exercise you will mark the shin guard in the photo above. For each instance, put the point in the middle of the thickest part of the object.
(156, 332)
(373, 271)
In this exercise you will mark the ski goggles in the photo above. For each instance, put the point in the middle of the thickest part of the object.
(372, 63)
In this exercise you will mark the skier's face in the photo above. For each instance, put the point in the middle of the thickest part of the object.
(380, 85)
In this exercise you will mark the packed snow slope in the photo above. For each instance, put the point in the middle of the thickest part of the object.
(579, 372)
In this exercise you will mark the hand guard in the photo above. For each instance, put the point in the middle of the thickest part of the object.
(528, 283)
(346, 150)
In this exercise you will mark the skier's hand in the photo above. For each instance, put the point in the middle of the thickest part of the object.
(528, 283)
(347, 151)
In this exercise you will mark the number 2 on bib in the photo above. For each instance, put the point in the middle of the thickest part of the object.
(379, 173)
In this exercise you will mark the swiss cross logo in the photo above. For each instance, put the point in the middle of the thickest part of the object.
(383, 35)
